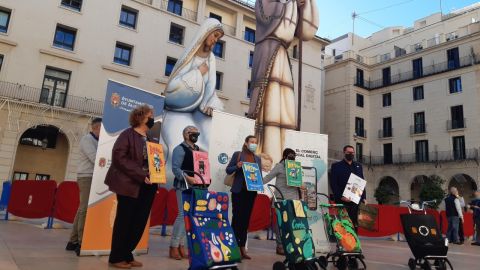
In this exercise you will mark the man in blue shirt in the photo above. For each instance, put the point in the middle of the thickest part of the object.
(340, 173)
(475, 206)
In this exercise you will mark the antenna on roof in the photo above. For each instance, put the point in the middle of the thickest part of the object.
(441, 10)
(354, 16)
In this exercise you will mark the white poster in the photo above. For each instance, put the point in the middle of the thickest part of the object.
(312, 151)
(354, 189)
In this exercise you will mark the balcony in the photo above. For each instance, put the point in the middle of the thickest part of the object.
(385, 133)
(418, 129)
(362, 133)
(175, 9)
(457, 124)
(410, 75)
(27, 94)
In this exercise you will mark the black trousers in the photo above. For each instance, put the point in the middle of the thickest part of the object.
(461, 234)
(352, 210)
(242, 206)
(130, 221)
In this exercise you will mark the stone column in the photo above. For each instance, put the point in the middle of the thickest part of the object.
(201, 10)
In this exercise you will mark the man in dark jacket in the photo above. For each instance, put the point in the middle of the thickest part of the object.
(475, 206)
(340, 173)
(454, 214)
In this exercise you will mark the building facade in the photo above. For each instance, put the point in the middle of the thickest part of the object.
(408, 99)
(57, 55)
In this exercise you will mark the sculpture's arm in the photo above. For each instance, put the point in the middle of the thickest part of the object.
(310, 21)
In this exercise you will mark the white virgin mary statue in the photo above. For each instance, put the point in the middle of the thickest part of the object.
(190, 95)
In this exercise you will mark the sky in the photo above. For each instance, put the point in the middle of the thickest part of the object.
(336, 15)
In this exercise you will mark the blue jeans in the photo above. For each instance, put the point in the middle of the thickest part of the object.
(178, 234)
(452, 232)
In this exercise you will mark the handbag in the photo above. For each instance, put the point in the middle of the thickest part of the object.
(229, 178)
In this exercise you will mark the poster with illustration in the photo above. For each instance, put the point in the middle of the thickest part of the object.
(253, 176)
(294, 173)
(309, 180)
(354, 189)
(156, 163)
(201, 165)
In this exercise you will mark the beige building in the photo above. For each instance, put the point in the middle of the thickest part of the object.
(409, 100)
(57, 55)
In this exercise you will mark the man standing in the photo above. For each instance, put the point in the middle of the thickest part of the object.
(339, 177)
(454, 215)
(475, 206)
(88, 151)
(182, 160)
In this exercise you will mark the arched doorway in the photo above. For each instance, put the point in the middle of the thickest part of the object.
(42, 154)
(465, 184)
(416, 186)
(388, 191)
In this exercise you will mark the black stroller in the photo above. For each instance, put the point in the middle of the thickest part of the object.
(424, 238)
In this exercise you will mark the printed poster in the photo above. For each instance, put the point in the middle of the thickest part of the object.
(293, 173)
(156, 163)
(354, 189)
(253, 176)
(201, 165)
(310, 183)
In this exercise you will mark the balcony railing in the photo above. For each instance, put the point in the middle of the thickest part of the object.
(418, 129)
(385, 133)
(183, 12)
(456, 124)
(228, 29)
(399, 159)
(362, 133)
(34, 95)
(426, 71)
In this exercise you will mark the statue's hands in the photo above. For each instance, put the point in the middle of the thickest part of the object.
(301, 3)
(203, 68)
(208, 111)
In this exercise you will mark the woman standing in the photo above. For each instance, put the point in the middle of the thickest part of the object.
(289, 192)
(242, 199)
(128, 177)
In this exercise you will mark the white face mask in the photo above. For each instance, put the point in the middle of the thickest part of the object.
(252, 147)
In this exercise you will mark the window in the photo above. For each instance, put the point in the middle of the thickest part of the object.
(218, 50)
(55, 87)
(359, 80)
(387, 99)
(73, 4)
(175, 6)
(399, 51)
(169, 65)
(1, 61)
(295, 52)
(250, 60)
(418, 92)
(421, 151)
(42, 177)
(4, 19)
(387, 153)
(249, 90)
(359, 100)
(218, 80)
(249, 35)
(176, 33)
(64, 37)
(123, 54)
(359, 127)
(453, 58)
(457, 117)
(387, 127)
(419, 123)
(42, 136)
(128, 17)
(216, 16)
(455, 85)
(20, 176)
(386, 76)
(417, 65)
(359, 152)
(459, 148)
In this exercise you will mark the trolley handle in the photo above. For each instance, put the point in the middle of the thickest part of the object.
(271, 187)
(203, 185)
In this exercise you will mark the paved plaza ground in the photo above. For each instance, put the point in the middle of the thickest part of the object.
(28, 247)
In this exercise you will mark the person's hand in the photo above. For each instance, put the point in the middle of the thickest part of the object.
(365, 201)
(346, 199)
(147, 181)
(203, 68)
(190, 179)
(208, 111)
(239, 164)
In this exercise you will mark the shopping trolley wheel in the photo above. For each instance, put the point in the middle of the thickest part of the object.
(440, 264)
(323, 262)
(412, 264)
(234, 268)
(426, 265)
(342, 263)
(279, 266)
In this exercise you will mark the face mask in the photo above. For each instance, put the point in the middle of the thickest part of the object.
(194, 137)
(150, 122)
(291, 157)
(252, 147)
(349, 157)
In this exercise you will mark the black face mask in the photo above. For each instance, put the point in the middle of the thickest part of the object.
(150, 122)
(194, 137)
(349, 157)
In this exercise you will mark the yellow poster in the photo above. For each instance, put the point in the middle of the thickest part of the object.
(156, 163)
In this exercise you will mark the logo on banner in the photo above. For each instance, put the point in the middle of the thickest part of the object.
(115, 99)
(223, 158)
(102, 162)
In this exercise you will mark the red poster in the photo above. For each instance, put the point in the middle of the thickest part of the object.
(201, 166)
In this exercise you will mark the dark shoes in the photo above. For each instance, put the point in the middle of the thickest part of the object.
(174, 253)
(77, 250)
(243, 252)
(280, 251)
(121, 265)
(475, 244)
(71, 246)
